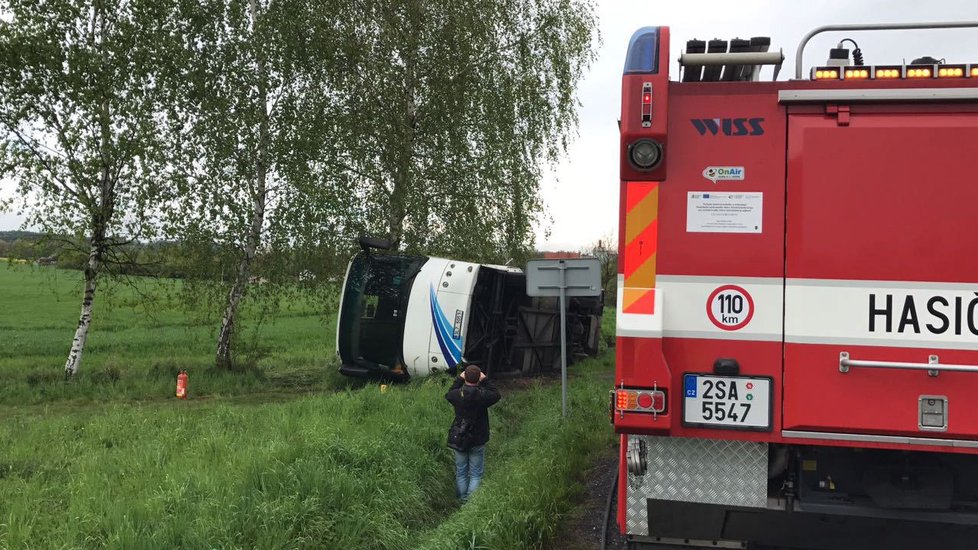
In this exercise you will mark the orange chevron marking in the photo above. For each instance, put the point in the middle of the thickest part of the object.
(641, 241)
(641, 214)
(643, 276)
(635, 191)
(638, 300)
(641, 248)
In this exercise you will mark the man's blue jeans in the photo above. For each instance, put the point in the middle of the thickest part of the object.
(468, 471)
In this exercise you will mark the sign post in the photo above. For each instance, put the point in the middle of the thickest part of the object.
(563, 278)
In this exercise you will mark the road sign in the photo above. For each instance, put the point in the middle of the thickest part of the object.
(563, 278)
(577, 276)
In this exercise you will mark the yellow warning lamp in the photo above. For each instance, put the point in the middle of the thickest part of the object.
(884, 73)
(825, 73)
(920, 72)
(951, 71)
(974, 72)
(856, 73)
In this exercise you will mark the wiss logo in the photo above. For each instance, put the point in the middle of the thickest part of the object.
(729, 126)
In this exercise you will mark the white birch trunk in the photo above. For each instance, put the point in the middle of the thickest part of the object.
(259, 190)
(85, 319)
(223, 359)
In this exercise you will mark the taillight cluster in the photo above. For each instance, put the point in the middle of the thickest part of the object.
(653, 401)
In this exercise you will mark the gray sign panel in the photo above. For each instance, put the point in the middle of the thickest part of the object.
(580, 276)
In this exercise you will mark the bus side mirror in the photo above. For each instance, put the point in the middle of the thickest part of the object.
(366, 243)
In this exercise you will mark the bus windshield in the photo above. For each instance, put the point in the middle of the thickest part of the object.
(371, 323)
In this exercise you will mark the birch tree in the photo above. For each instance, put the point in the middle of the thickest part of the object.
(80, 127)
(452, 110)
(257, 113)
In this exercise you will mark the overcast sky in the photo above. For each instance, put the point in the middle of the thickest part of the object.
(582, 200)
(581, 194)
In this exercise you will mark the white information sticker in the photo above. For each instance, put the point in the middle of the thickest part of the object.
(708, 212)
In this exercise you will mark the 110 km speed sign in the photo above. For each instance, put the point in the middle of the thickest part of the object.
(730, 307)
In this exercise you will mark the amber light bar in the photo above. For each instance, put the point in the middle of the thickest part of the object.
(826, 73)
(856, 73)
(888, 72)
(895, 72)
(952, 71)
(920, 71)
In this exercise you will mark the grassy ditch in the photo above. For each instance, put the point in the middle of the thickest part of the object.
(354, 469)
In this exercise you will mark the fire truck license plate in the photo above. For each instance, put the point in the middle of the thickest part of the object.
(727, 401)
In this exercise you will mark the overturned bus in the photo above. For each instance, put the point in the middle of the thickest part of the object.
(409, 316)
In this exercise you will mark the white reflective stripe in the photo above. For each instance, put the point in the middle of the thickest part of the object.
(685, 312)
(820, 311)
(899, 314)
(636, 325)
(882, 342)
(899, 440)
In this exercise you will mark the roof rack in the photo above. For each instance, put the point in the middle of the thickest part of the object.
(712, 62)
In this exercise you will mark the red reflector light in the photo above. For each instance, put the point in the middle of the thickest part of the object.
(645, 400)
(658, 401)
(646, 104)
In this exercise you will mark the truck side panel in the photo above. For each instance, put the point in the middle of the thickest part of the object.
(879, 267)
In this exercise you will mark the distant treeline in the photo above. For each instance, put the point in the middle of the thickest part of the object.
(26, 245)
(174, 259)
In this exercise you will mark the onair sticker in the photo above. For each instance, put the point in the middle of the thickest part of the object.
(724, 173)
(730, 307)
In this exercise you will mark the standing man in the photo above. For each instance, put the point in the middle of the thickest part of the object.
(471, 394)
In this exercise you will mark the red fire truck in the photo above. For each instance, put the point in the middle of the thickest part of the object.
(797, 296)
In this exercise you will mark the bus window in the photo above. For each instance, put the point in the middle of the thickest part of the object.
(373, 310)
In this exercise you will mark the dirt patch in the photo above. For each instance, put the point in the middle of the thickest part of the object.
(582, 528)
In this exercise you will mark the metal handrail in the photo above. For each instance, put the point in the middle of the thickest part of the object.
(875, 27)
(932, 366)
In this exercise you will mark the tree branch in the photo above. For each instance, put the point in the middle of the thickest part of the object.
(40, 157)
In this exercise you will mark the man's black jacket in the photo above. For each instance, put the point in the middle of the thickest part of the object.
(473, 402)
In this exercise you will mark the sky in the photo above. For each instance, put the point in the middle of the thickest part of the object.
(581, 192)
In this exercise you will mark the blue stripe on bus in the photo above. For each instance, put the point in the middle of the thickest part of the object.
(451, 347)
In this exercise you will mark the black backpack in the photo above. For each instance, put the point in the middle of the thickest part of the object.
(460, 435)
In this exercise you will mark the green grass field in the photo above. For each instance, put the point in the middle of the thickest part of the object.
(282, 455)
(140, 338)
